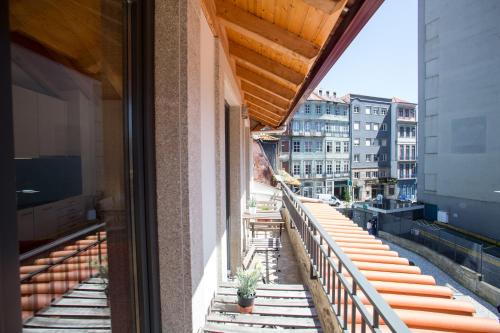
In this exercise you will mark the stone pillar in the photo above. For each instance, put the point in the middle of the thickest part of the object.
(236, 187)
(177, 128)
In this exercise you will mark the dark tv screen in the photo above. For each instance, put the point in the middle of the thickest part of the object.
(47, 179)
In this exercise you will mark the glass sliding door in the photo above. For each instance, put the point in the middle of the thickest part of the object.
(73, 110)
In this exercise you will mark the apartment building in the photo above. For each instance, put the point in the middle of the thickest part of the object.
(316, 146)
(458, 136)
(404, 119)
(370, 126)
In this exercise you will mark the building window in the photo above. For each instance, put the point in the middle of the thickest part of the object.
(356, 125)
(308, 146)
(356, 174)
(329, 147)
(356, 142)
(375, 158)
(375, 127)
(307, 126)
(413, 170)
(383, 111)
(383, 127)
(401, 171)
(329, 167)
(367, 126)
(285, 146)
(356, 157)
(368, 110)
(327, 109)
(296, 146)
(375, 142)
(401, 132)
(368, 174)
(413, 153)
(307, 108)
(375, 174)
(337, 147)
(318, 109)
(407, 150)
(383, 157)
(375, 110)
(368, 157)
(400, 112)
(412, 113)
(318, 146)
(346, 166)
(346, 146)
(319, 168)
(407, 132)
(356, 109)
(407, 113)
(382, 173)
(384, 142)
(368, 142)
(296, 126)
(296, 169)
(307, 167)
(413, 132)
(328, 127)
(337, 166)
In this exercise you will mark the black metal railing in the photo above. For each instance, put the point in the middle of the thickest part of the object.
(342, 282)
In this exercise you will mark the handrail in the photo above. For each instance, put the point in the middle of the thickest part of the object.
(60, 241)
(321, 248)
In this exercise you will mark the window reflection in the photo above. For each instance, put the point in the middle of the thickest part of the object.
(69, 151)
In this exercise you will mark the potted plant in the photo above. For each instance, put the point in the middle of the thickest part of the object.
(252, 205)
(102, 274)
(247, 283)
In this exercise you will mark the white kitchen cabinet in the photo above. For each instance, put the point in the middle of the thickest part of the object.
(25, 224)
(52, 126)
(45, 221)
(25, 109)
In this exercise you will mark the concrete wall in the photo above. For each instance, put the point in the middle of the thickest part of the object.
(192, 80)
(459, 89)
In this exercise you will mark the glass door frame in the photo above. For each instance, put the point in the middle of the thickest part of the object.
(141, 182)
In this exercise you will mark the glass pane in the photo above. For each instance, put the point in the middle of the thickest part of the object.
(69, 153)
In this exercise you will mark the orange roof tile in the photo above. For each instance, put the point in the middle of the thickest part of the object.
(424, 306)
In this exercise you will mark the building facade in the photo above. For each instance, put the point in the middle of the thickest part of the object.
(370, 124)
(316, 146)
(404, 120)
(458, 95)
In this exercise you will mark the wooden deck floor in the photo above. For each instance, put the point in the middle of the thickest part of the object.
(82, 310)
(278, 308)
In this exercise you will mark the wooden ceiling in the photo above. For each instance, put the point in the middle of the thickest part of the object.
(85, 35)
(272, 46)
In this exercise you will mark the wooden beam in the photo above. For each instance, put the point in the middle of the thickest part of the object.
(326, 6)
(266, 64)
(266, 32)
(263, 104)
(262, 118)
(266, 84)
(255, 91)
(268, 113)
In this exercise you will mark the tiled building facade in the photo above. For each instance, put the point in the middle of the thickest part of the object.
(316, 146)
(364, 141)
(371, 145)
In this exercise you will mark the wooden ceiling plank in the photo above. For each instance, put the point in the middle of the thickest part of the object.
(265, 32)
(326, 6)
(263, 118)
(264, 63)
(264, 104)
(272, 87)
(255, 91)
(262, 110)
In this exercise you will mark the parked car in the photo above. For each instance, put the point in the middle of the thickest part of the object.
(329, 199)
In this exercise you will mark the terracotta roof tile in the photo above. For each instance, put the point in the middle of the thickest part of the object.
(424, 306)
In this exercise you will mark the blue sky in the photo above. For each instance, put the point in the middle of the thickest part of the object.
(382, 59)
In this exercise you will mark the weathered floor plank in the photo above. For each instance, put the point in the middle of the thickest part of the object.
(63, 330)
(50, 322)
(261, 286)
(75, 312)
(81, 302)
(268, 310)
(291, 302)
(269, 293)
(223, 328)
(86, 294)
(251, 319)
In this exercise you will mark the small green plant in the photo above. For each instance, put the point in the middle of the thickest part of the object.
(247, 280)
(103, 272)
(346, 196)
(265, 208)
(252, 202)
